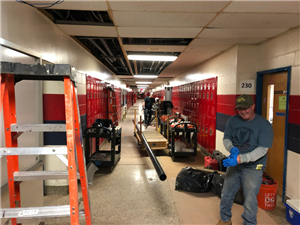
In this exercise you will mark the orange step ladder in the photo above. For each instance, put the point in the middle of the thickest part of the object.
(112, 106)
(12, 73)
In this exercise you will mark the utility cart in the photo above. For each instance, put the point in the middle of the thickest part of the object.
(103, 128)
(183, 139)
(163, 123)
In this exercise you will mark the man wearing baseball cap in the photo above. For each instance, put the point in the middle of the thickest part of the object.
(247, 137)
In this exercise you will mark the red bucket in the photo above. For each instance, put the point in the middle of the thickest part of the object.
(267, 195)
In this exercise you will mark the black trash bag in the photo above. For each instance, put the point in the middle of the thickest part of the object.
(217, 186)
(193, 180)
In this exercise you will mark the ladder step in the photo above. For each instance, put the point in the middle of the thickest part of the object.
(37, 212)
(38, 127)
(34, 151)
(41, 175)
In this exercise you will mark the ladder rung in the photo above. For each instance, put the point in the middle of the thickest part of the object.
(37, 212)
(41, 175)
(38, 127)
(34, 151)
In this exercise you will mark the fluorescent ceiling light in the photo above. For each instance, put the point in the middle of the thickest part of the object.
(152, 57)
(142, 86)
(143, 82)
(145, 76)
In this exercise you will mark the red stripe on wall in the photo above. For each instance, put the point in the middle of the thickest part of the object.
(82, 100)
(226, 104)
(82, 109)
(54, 107)
(294, 101)
(294, 109)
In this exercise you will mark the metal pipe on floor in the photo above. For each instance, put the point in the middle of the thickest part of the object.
(160, 172)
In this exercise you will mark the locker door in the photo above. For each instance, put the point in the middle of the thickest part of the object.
(98, 99)
(213, 135)
(88, 102)
(197, 103)
(213, 98)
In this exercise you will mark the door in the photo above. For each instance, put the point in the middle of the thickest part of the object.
(274, 96)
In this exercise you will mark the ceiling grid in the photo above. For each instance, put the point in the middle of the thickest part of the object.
(192, 30)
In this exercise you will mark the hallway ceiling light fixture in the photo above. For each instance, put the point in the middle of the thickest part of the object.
(138, 82)
(140, 86)
(145, 76)
(152, 57)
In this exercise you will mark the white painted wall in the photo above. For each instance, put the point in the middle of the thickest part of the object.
(25, 27)
(222, 66)
(283, 51)
(242, 62)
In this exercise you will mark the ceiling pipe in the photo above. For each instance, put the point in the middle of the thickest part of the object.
(157, 66)
(161, 67)
(123, 64)
(107, 48)
(152, 64)
(141, 66)
(100, 49)
(104, 53)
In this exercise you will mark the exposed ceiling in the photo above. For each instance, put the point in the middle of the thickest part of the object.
(193, 30)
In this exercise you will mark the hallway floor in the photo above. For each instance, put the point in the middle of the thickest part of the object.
(133, 194)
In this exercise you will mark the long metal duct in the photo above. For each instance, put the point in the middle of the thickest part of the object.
(160, 172)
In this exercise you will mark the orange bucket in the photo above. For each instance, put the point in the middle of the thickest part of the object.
(267, 195)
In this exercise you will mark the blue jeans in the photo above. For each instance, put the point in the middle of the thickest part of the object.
(147, 116)
(250, 179)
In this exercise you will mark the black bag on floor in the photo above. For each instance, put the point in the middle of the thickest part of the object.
(193, 180)
(217, 186)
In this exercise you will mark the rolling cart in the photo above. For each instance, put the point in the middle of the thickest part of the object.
(103, 128)
(163, 123)
(187, 129)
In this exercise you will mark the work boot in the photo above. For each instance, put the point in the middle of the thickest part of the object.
(221, 222)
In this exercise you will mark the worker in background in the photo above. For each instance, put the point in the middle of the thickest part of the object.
(147, 106)
(247, 137)
(158, 106)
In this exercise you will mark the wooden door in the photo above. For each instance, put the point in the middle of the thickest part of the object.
(275, 162)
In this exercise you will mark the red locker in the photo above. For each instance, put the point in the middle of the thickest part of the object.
(88, 102)
(212, 145)
(207, 122)
(208, 91)
(98, 100)
(214, 98)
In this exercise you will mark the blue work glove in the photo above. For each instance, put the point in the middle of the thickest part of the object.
(230, 161)
(234, 151)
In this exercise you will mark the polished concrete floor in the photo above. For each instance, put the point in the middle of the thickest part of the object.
(133, 194)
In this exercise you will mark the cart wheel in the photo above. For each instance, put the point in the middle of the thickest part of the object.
(173, 158)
